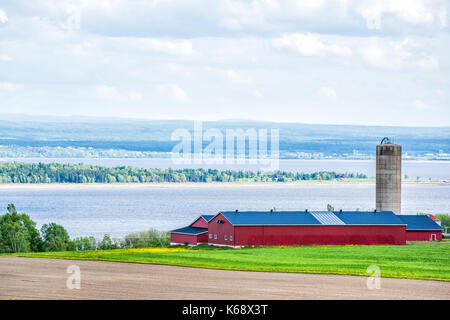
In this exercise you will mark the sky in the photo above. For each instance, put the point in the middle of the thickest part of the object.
(365, 62)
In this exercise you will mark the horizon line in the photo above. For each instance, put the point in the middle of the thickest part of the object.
(118, 118)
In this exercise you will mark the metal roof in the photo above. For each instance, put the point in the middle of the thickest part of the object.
(327, 217)
(419, 222)
(369, 218)
(190, 230)
(318, 218)
(270, 218)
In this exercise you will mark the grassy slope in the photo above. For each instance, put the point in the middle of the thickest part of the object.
(431, 262)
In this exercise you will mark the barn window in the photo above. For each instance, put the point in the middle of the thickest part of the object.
(210, 235)
(226, 238)
(231, 238)
(215, 236)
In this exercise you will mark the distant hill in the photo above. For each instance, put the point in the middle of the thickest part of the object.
(154, 135)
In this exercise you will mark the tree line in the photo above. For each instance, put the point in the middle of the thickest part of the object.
(18, 233)
(79, 173)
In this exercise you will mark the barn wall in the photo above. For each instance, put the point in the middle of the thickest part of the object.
(202, 238)
(249, 236)
(221, 229)
(309, 235)
(183, 238)
(422, 235)
(200, 223)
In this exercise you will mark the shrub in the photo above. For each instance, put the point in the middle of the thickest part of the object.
(146, 239)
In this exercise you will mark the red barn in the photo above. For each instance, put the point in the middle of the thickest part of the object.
(252, 228)
(195, 233)
(421, 228)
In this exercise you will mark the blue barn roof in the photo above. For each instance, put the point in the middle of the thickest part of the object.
(369, 218)
(190, 230)
(419, 222)
(270, 218)
(312, 218)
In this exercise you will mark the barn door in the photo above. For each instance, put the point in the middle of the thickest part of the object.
(433, 237)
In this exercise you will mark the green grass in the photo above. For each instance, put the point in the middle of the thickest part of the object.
(430, 262)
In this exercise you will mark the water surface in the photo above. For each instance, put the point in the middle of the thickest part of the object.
(118, 210)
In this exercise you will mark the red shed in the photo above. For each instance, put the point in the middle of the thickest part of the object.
(195, 233)
(252, 228)
(189, 235)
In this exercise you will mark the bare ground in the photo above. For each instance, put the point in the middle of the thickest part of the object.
(36, 278)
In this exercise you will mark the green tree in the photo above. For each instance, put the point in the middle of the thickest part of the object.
(165, 239)
(79, 173)
(18, 232)
(445, 220)
(56, 238)
(108, 244)
(330, 207)
(85, 243)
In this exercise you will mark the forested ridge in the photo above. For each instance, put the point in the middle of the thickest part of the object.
(79, 173)
(28, 136)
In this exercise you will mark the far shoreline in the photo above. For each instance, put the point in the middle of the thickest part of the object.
(201, 184)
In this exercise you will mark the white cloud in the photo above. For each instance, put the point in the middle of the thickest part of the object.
(440, 93)
(416, 12)
(172, 91)
(328, 14)
(234, 76)
(389, 54)
(127, 46)
(237, 15)
(340, 50)
(309, 5)
(135, 96)
(3, 17)
(420, 105)
(327, 92)
(113, 93)
(443, 18)
(197, 18)
(81, 48)
(306, 44)
(382, 53)
(309, 45)
(174, 47)
(6, 58)
(427, 62)
(106, 92)
(257, 94)
(74, 19)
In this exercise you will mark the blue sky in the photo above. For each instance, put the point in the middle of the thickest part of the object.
(312, 61)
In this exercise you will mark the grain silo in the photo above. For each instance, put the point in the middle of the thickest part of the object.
(389, 177)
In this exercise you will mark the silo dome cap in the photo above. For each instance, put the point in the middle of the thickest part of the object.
(385, 140)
